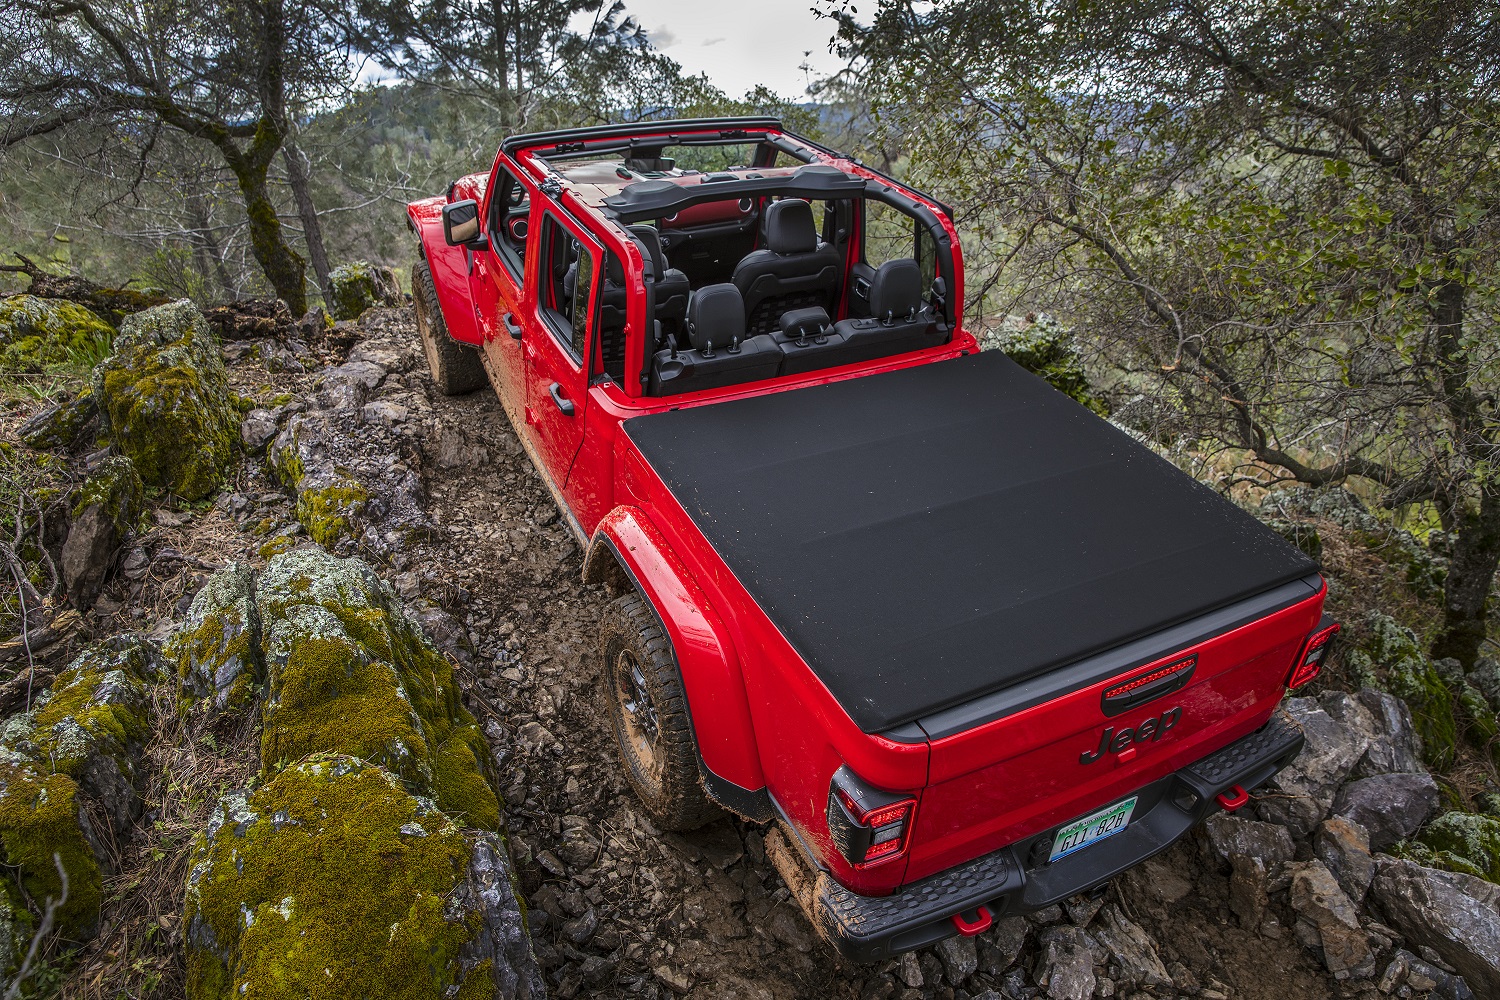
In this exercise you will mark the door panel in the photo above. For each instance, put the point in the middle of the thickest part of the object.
(558, 328)
(498, 300)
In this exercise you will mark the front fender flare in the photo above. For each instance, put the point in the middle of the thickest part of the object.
(450, 269)
(711, 677)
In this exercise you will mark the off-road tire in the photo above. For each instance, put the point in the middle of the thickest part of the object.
(662, 770)
(456, 368)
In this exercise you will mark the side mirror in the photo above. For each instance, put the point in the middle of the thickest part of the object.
(461, 223)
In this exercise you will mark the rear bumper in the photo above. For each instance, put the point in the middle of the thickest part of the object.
(1017, 879)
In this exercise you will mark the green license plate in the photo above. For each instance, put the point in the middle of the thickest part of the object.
(1105, 823)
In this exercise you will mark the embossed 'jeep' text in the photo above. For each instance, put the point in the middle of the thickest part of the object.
(1150, 729)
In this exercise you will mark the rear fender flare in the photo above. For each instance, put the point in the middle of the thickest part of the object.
(628, 550)
(450, 269)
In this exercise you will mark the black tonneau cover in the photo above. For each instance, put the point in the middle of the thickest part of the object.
(928, 536)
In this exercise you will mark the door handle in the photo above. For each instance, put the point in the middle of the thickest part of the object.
(566, 405)
(511, 326)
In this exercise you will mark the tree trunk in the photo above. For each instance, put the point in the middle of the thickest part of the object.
(281, 265)
(312, 230)
(207, 247)
(1471, 576)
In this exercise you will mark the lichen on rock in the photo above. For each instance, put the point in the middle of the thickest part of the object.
(359, 285)
(165, 400)
(348, 672)
(332, 879)
(1391, 659)
(41, 827)
(37, 334)
(216, 650)
(1461, 842)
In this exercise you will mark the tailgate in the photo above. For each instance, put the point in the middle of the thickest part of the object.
(1019, 763)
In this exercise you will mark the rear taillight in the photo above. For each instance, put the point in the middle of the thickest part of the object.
(1314, 653)
(868, 825)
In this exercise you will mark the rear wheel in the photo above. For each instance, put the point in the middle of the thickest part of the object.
(455, 367)
(648, 712)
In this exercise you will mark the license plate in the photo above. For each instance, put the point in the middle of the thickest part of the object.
(1105, 823)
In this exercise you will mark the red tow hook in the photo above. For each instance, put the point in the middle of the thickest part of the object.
(981, 922)
(1234, 798)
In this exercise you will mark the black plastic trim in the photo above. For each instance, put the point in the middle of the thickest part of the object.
(530, 140)
(873, 928)
(753, 804)
(645, 200)
(1112, 662)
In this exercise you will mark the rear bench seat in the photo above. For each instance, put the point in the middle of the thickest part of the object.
(808, 340)
(720, 353)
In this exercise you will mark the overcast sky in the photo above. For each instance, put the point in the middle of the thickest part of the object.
(741, 44)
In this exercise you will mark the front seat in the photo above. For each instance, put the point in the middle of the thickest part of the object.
(793, 271)
(671, 284)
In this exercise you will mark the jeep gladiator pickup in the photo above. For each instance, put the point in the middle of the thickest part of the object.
(969, 647)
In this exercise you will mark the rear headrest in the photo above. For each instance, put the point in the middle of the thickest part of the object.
(789, 228)
(896, 289)
(650, 244)
(716, 315)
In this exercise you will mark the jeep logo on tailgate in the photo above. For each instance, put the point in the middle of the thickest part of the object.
(1150, 729)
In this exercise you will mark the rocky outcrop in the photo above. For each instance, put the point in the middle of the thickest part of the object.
(106, 512)
(1456, 915)
(360, 285)
(1462, 842)
(372, 851)
(1392, 807)
(354, 491)
(67, 765)
(37, 333)
(65, 425)
(1304, 792)
(217, 651)
(1329, 921)
(165, 399)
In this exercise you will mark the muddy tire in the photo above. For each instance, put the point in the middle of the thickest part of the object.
(649, 715)
(456, 368)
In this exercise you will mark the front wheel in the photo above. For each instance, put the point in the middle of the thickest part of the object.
(456, 368)
(649, 714)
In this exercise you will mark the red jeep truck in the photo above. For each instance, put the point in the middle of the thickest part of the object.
(970, 647)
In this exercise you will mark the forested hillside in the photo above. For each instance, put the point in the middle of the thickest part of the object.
(275, 612)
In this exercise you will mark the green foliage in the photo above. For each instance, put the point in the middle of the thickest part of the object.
(1047, 349)
(1283, 221)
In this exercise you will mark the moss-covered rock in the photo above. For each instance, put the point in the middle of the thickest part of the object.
(1461, 842)
(1391, 659)
(93, 722)
(106, 512)
(359, 285)
(348, 672)
(37, 334)
(216, 651)
(1048, 349)
(41, 827)
(63, 426)
(71, 758)
(330, 512)
(165, 400)
(332, 880)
